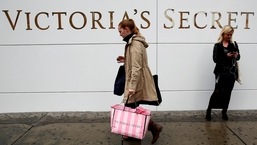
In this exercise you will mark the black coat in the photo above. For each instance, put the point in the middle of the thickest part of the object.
(221, 59)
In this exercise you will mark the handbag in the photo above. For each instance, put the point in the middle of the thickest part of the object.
(119, 83)
(155, 78)
(130, 122)
(239, 75)
(159, 97)
(119, 86)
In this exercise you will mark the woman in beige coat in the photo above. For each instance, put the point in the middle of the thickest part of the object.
(139, 86)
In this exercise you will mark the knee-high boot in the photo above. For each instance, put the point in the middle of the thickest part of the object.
(155, 130)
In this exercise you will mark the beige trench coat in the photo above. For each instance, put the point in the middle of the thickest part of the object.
(138, 74)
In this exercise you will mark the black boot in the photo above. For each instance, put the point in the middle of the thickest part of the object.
(155, 130)
(208, 115)
(224, 114)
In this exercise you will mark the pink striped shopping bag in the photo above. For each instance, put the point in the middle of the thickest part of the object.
(129, 122)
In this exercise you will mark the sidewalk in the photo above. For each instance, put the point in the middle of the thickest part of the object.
(93, 128)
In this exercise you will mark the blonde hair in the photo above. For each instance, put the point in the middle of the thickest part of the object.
(226, 29)
(131, 25)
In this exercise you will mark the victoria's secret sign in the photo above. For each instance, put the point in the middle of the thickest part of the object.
(173, 19)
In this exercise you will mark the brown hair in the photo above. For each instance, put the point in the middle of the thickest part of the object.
(131, 25)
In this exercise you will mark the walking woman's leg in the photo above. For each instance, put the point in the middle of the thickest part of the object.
(155, 130)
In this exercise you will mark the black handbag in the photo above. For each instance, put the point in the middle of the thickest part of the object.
(119, 86)
(159, 97)
(155, 78)
(119, 83)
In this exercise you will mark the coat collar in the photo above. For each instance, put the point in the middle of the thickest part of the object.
(127, 38)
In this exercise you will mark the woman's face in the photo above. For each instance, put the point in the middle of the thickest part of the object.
(227, 36)
(124, 31)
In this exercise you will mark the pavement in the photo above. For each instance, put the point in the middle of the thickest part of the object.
(93, 128)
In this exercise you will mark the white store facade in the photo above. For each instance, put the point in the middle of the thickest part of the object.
(61, 55)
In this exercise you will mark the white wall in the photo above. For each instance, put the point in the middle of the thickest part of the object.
(66, 69)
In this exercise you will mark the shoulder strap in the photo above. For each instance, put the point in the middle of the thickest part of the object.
(235, 44)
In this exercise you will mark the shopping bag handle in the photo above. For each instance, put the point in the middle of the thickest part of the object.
(127, 102)
(127, 99)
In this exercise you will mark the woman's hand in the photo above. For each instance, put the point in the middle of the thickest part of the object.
(230, 54)
(235, 54)
(131, 92)
(120, 59)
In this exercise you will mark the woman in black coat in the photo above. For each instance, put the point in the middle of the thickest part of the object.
(225, 55)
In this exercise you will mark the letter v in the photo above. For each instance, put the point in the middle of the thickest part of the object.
(13, 25)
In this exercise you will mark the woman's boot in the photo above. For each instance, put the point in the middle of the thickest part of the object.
(155, 130)
(208, 115)
(224, 114)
